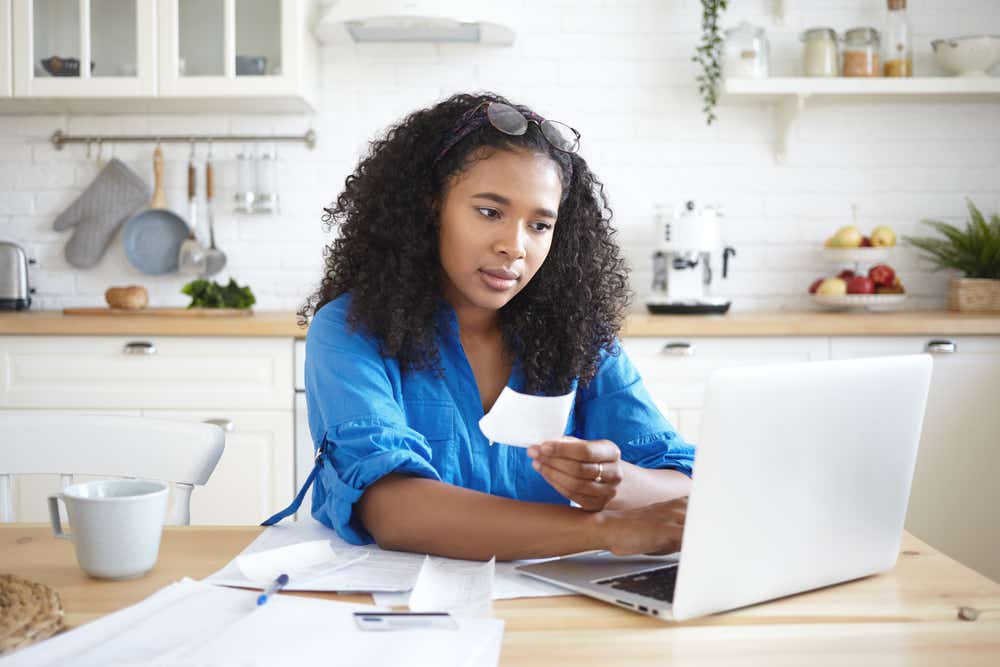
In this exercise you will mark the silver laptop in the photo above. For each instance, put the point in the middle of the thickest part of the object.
(801, 480)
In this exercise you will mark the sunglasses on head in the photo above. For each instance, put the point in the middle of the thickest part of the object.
(509, 120)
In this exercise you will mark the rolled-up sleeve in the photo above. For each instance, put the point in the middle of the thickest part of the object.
(354, 412)
(616, 406)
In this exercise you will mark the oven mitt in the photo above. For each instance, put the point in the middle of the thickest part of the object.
(100, 210)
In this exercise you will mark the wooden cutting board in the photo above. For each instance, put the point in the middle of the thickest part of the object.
(163, 312)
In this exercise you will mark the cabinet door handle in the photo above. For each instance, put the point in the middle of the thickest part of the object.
(941, 347)
(225, 424)
(141, 347)
(678, 349)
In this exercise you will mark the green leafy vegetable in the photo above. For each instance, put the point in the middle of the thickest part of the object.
(210, 294)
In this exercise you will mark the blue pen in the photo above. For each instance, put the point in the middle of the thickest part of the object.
(276, 586)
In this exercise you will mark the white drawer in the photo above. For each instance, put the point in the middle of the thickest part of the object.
(84, 372)
(677, 376)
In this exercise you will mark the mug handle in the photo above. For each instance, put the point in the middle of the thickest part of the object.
(54, 517)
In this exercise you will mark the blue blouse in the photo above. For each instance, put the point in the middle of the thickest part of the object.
(375, 420)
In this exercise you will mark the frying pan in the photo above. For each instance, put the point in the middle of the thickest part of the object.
(152, 238)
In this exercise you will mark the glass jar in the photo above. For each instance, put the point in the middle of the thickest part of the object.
(861, 52)
(897, 42)
(746, 52)
(266, 197)
(245, 181)
(820, 53)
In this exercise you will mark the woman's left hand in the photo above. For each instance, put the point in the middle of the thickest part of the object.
(588, 472)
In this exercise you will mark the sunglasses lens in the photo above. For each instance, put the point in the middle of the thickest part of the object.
(561, 136)
(507, 119)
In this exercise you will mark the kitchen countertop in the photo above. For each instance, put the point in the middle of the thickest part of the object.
(757, 323)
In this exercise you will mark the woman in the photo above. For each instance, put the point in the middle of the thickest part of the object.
(474, 253)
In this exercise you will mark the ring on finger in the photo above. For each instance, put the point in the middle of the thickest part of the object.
(600, 473)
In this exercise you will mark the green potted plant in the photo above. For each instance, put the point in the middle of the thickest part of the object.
(975, 251)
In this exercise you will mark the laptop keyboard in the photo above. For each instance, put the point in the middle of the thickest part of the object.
(657, 584)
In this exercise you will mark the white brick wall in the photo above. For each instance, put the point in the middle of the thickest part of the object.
(618, 71)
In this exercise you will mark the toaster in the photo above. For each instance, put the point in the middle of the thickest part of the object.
(15, 294)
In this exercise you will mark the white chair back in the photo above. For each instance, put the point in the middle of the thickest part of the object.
(40, 442)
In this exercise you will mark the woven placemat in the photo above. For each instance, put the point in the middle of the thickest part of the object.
(29, 612)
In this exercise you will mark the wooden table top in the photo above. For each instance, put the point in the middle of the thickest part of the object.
(637, 323)
(908, 616)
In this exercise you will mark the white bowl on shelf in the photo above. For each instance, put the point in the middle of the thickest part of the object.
(872, 302)
(968, 56)
(866, 255)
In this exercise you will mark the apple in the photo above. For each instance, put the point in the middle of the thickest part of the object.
(812, 288)
(835, 286)
(847, 237)
(882, 274)
(866, 242)
(846, 274)
(860, 285)
(883, 237)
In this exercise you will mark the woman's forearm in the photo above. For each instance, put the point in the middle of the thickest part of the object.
(426, 516)
(644, 486)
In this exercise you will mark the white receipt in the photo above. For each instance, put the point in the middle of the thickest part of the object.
(462, 588)
(300, 562)
(523, 420)
(378, 571)
(508, 583)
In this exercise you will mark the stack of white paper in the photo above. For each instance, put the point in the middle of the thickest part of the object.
(385, 573)
(192, 623)
(301, 562)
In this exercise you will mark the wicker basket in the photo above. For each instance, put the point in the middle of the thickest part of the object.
(974, 295)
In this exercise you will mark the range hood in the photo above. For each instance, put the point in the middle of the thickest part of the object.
(471, 21)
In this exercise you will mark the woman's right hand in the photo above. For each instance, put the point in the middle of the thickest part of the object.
(654, 529)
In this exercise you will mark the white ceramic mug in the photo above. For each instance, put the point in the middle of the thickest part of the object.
(116, 523)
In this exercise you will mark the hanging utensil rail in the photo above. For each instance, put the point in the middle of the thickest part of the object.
(58, 138)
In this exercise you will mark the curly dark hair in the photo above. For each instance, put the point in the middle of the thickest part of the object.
(387, 219)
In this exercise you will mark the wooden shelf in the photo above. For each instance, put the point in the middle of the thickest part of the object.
(789, 94)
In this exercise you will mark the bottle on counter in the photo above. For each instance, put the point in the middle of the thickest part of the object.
(897, 42)
(861, 52)
(820, 53)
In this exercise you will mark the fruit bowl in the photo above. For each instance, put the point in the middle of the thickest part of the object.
(867, 255)
(872, 302)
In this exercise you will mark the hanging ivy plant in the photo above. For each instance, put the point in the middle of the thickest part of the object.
(709, 55)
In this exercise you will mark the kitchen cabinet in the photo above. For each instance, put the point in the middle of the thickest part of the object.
(6, 78)
(230, 48)
(117, 38)
(955, 496)
(168, 55)
(676, 370)
(115, 372)
(243, 381)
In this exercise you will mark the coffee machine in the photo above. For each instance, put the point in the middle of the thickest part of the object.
(686, 240)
